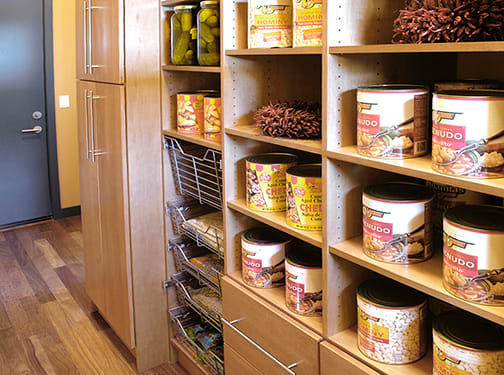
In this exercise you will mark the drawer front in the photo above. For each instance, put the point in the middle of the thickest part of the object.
(236, 364)
(265, 336)
(332, 358)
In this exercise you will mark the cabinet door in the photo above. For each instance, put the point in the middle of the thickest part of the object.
(81, 38)
(333, 358)
(110, 153)
(90, 200)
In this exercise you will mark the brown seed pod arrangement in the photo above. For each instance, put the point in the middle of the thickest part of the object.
(299, 120)
(434, 21)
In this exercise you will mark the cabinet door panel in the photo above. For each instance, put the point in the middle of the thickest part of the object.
(90, 202)
(110, 153)
(81, 35)
(236, 364)
(332, 358)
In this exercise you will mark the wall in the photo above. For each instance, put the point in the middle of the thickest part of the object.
(66, 118)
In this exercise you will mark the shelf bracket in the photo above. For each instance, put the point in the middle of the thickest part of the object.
(167, 284)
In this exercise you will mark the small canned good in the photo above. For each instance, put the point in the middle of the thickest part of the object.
(473, 256)
(303, 273)
(468, 133)
(391, 321)
(190, 111)
(270, 23)
(397, 222)
(467, 84)
(392, 121)
(304, 197)
(263, 257)
(213, 110)
(266, 181)
(465, 344)
(308, 23)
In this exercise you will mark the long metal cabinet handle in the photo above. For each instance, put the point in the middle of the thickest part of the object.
(86, 110)
(253, 343)
(90, 40)
(85, 22)
(91, 114)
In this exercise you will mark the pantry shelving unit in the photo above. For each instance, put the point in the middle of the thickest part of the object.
(356, 51)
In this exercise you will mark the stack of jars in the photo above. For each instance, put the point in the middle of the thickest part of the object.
(195, 35)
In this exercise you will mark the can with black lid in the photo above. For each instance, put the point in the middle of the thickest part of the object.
(467, 344)
(303, 268)
(263, 257)
(397, 222)
(473, 253)
(391, 322)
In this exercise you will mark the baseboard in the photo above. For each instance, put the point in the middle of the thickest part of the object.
(67, 212)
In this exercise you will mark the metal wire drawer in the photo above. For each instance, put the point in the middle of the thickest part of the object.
(197, 170)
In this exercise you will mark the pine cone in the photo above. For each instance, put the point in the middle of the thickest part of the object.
(300, 120)
(432, 21)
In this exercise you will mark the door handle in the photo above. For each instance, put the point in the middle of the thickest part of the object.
(86, 110)
(91, 115)
(36, 129)
(90, 36)
(85, 24)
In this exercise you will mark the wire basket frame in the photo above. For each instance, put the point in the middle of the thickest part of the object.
(197, 171)
(182, 318)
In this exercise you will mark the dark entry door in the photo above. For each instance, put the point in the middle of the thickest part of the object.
(24, 177)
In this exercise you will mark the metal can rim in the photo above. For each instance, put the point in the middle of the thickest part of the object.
(421, 194)
(465, 94)
(481, 218)
(198, 92)
(405, 297)
(302, 254)
(310, 170)
(263, 158)
(281, 237)
(395, 88)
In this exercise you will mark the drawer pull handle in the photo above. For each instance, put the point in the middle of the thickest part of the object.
(252, 342)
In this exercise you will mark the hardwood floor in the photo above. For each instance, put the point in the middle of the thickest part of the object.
(48, 325)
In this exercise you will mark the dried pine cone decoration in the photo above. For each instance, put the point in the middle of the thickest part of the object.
(431, 21)
(300, 120)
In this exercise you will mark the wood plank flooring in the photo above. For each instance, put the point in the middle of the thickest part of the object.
(48, 324)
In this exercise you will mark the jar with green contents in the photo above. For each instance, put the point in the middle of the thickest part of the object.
(209, 33)
(183, 35)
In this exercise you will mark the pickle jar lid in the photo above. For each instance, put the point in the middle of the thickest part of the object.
(399, 192)
(209, 2)
(485, 218)
(265, 236)
(388, 293)
(303, 254)
(393, 87)
(469, 331)
(306, 170)
(273, 158)
(184, 7)
(484, 94)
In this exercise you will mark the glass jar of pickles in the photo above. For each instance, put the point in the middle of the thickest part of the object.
(209, 33)
(183, 35)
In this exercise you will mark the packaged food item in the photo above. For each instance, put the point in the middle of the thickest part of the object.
(269, 23)
(392, 121)
(465, 344)
(473, 256)
(209, 33)
(190, 111)
(308, 23)
(397, 222)
(207, 299)
(391, 322)
(304, 197)
(263, 257)
(183, 35)
(467, 84)
(266, 181)
(207, 228)
(303, 278)
(210, 264)
(468, 133)
(207, 336)
(213, 112)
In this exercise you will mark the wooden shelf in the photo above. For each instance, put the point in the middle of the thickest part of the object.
(425, 276)
(191, 68)
(194, 138)
(274, 51)
(420, 48)
(251, 132)
(347, 341)
(277, 220)
(172, 3)
(419, 168)
(276, 297)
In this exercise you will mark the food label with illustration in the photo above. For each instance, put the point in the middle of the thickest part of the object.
(397, 232)
(473, 264)
(392, 124)
(308, 23)
(266, 189)
(304, 202)
(467, 137)
(212, 110)
(303, 291)
(270, 23)
(263, 266)
(190, 113)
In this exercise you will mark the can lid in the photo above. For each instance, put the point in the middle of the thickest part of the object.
(487, 218)
(470, 93)
(393, 87)
(474, 81)
(185, 7)
(303, 254)
(265, 236)
(273, 158)
(306, 170)
(399, 192)
(469, 331)
(197, 92)
(209, 2)
(389, 293)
